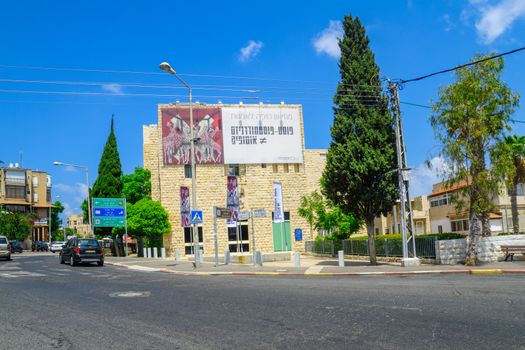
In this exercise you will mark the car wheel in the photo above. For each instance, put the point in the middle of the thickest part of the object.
(72, 261)
(8, 257)
(100, 263)
(61, 259)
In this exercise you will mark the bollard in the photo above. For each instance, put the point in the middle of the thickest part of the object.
(155, 252)
(258, 258)
(297, 259)
(201, 255)
(150, 253)
(227, 257)
(177, 255)
(163, 253)
(341, 255)
(146, 252)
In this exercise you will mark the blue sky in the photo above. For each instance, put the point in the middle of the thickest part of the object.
(66, 67)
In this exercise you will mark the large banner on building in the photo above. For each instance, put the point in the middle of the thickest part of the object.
(185, 211)
(233, 135)
(232, 200)
(278, 209)
(207, 133)
(261, 135)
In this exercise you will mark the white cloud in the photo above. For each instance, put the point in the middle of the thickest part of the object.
(494, 20)
(113, 88)
(449, 25)
(327, 41)
(422, 177)
(250, 51)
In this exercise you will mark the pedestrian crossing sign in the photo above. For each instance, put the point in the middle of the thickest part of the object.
(196, 216)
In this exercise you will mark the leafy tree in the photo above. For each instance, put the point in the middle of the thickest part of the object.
(147, 219)
(137, 186)
(357, 176)
(310, 206)
(470, 120)
(109, 180)
(515, 146)
(56, 222)
(15, 225)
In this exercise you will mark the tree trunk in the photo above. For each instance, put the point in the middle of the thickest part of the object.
(514, 208)
(485, 224)
(474, 234)
(140, 247)
(371, 242)
(116, 248)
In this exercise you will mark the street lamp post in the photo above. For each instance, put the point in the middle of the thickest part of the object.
(165, 66)
(87, 184)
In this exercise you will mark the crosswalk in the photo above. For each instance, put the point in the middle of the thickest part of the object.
(17, 270)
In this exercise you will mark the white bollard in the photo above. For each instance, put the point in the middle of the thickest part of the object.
(341, 255)
(163, 253)
(227, 257)
(177, 255)
(258, 258)
(155, 252)
(297, 259)
(201, 255)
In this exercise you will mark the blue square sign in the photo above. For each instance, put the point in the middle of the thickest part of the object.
(196, 216)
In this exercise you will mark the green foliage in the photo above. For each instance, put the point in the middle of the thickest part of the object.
(514, 153)
(56, 222)
(147, 218)
(357, 176)
(15, 225)
(137, 186)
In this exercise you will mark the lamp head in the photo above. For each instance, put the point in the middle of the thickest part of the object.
(165, 66)
(57, 163)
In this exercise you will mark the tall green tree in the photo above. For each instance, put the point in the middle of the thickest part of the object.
(516, 151)
(470, 119)
(109, 181)
(357, 176)
(137, 185)
(56, 222)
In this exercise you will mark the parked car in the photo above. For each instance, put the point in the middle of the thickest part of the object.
(16, 247)
(39, 246)
(56, 246)
(79, 250)
(5, 248)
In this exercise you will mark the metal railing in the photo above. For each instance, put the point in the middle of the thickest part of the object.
(425, 247)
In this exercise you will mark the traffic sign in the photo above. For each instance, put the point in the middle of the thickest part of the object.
(223, 213)
(259, 213)
(109, 212)
(243, 215)
(196, 216)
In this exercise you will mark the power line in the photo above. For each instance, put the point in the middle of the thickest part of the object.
(402, 81)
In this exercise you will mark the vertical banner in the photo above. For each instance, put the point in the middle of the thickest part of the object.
(232, 200)
(278, 210)
(185, 211)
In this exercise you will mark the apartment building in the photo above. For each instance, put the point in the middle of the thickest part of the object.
(27, 191)
(76, 223)
(384, 225)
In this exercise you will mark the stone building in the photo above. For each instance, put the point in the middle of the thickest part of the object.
(384, 225)
(76, 223)
(259, 145)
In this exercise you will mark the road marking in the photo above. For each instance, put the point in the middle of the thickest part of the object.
(143, 268)
(130, 294)
(315, 269)
(22, 274)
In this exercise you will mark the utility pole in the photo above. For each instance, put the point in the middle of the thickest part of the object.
(407, 222)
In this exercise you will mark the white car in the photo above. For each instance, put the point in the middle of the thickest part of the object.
(56, 246)
(5, 248)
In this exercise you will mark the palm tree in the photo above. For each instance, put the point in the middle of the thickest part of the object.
(516, 148)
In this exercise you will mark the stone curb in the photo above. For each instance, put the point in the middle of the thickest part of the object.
(327, 274)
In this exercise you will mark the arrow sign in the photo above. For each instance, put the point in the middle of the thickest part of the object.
(196, 216)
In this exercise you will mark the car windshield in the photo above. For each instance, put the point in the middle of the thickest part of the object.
(88, 243)
(3, 240)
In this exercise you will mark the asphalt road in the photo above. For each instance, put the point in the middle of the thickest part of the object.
(45, 305)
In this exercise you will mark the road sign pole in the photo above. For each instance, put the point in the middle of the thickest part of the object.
(126, 227)
(215, 236)
(253, 241)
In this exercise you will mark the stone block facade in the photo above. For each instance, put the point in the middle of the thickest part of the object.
(255, 182)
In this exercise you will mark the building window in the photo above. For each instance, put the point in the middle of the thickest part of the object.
(48, 195)
(286, 216)
(275, 168)
(238, 240)
(519, 190)
(296, 167)
(15, 191)
(286, 168)
(459, 225)
(35, 181)
(35, 197)
(16, 208)
(233, 170)
(438, 201)
(377, 230)
(187, 171)
(387, 231)
(263, 165)
(440, 229)
(188, 239)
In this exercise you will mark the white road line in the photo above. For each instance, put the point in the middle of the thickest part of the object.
(314, 269)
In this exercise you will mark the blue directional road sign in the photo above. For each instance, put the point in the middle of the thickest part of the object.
(196, 216)
(109, 212)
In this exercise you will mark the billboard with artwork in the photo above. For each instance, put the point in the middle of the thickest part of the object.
(233, 134)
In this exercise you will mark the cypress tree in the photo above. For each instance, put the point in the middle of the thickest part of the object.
(362, 153)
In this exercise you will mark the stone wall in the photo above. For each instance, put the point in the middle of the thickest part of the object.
(453, 251)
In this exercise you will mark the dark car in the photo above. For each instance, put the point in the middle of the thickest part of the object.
(15, 246)
(79, 250)
(39, 246)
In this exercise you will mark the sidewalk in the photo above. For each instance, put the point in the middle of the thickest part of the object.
(310, 266)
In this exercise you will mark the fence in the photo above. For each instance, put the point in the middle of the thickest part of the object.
(425, 247)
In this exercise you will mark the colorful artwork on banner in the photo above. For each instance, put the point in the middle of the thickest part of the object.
(185, 210)
(207, 124)
(232, 200)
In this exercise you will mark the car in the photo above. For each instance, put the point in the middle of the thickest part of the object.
(56, 246)
(16, 247)
(5, 248)
(80, 250)
(39, 246)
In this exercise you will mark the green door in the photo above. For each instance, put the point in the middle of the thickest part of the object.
(281, 236)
